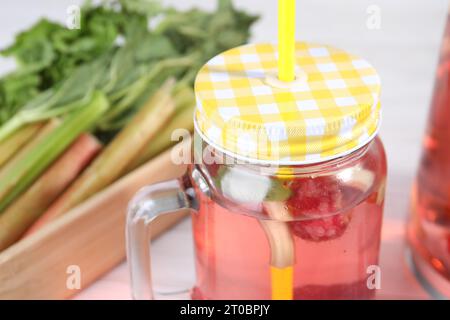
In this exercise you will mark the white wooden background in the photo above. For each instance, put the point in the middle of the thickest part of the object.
(404, 50)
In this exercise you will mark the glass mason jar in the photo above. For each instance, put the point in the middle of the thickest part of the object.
(266, 225)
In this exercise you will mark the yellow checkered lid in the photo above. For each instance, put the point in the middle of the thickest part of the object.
(331, 109)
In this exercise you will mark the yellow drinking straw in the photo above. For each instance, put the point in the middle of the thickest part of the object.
(277, 231)
(282, 251)
(286, 40)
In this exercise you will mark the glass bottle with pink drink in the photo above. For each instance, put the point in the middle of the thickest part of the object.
(429, 226)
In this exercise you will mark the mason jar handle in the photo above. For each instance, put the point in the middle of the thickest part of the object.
(168, 197)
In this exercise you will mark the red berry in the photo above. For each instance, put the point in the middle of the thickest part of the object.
(314, 200)
(321, 229)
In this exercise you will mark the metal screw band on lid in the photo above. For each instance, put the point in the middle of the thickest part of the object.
(332, 108)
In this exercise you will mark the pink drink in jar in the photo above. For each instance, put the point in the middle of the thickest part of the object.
(336, 233)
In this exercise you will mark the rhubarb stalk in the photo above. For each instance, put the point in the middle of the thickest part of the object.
(39, 136)
(182, 120)
(9, 147)
(17, 218)
(113, 161)
(28, 169)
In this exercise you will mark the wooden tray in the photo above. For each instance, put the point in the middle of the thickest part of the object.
(91, 236)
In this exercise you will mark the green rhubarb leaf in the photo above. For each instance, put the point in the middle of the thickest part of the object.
(278, 191)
